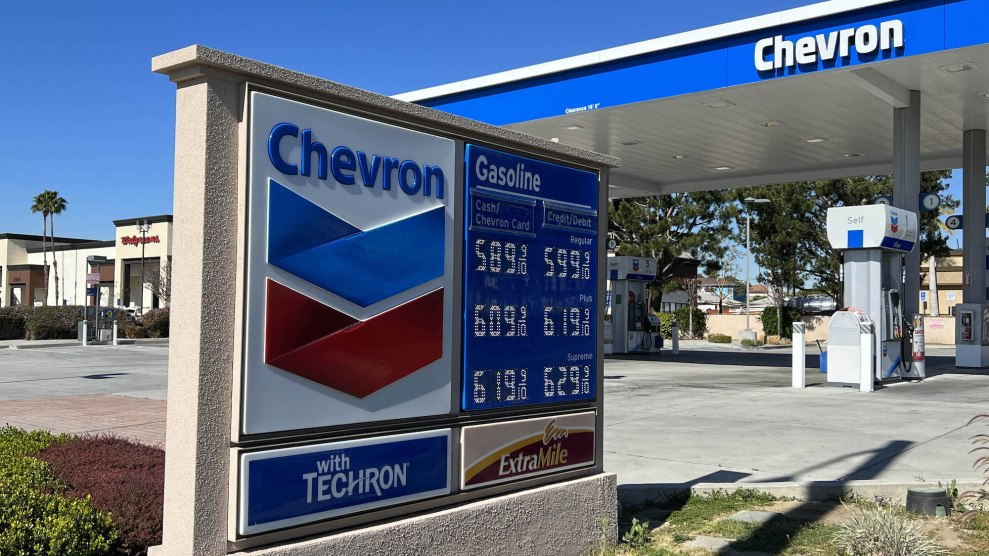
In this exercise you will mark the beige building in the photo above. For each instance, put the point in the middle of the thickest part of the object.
(949, 284)
(85, 267)
(150, 250)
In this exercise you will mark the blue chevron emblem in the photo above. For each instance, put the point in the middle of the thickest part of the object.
(361, 266)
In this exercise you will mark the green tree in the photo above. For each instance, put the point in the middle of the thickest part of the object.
(42, 203)
(667, 227)
(789, 234)
(56, 205)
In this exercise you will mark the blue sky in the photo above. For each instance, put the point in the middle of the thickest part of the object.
(84, 114)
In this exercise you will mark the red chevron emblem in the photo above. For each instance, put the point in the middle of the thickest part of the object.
(309, 339)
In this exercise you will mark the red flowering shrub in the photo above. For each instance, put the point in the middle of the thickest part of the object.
(123, 478)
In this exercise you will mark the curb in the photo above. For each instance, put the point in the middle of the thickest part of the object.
(638, 495)
(71, 343)
(76, 343)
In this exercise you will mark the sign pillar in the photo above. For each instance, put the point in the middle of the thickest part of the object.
(973, 206)
(906, 187)
(201, 347)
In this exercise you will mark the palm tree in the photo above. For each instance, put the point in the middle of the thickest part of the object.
(56, 205)
(41, 204)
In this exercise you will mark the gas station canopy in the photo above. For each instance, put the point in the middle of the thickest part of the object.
(801, 94)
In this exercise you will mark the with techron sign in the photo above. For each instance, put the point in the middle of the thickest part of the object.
(774, 53)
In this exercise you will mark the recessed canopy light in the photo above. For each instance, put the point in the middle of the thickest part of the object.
(955, 68)
(720, 104)
(574, 127)
(679, 156)
(852, 155)
(771, 123)
(724, 168)
(631, 143)
(817, 140)
(984, 95)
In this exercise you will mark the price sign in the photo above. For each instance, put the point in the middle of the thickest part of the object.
(530, 282)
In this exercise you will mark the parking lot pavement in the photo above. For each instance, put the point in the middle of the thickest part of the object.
(731, 416)
(96, 389)
(710, 414)
(133, 370)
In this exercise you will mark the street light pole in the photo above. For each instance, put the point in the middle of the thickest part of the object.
(748, 254)
(143, 227)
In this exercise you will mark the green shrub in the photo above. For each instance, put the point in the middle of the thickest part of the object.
(666, 324)
(35, 518)
(52, 322)
(12, 323)
(716, 338)
(683, 321)
(155, 322)
(748, 343)
(788, 315)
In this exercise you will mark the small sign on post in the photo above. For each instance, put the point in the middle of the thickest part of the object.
(92, 278)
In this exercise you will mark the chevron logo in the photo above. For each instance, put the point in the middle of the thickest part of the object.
(319, 343)
(361, 266)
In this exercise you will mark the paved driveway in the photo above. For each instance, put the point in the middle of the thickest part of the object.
(709, 414)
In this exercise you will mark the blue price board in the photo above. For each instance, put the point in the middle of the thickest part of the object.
(530, 282)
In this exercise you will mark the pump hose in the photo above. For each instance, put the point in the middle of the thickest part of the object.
(906, 360)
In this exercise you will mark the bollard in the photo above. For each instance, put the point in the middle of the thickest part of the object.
(799, 356)
(115, 333)
(675, 340)
(85, 333)
(867, 347)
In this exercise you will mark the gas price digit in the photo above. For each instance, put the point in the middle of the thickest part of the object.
(500, 385)
(567, 263)
(501, 257)
(563, 381)
(566, 321)
(500, 320)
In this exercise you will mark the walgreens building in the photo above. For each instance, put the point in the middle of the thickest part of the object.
(89, 270)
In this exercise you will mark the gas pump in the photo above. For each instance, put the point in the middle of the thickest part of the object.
(873, 239)
(634, 330)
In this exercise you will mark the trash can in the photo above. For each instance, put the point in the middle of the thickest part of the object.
(823, 358)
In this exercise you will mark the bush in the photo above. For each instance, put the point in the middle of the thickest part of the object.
(53, 322)
(716, 338)
(122, 478)
(682, 316)
(155, 322)
(788, 315)
(880, 531)
(35, 517)
(12, 323)
(748, 343)
(666, 324)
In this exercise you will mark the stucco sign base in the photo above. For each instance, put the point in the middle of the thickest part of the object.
(560, 519)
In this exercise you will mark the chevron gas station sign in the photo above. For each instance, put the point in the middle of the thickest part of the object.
(395, 306)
